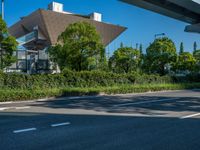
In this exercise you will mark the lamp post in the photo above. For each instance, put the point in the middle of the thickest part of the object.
(160, 34)
(2, 9)
(2, 14)
(1, 57)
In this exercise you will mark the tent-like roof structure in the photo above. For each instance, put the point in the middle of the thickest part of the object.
(51, 24)
(184, 10)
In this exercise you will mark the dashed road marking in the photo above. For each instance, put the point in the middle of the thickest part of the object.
(190, 116)
(24, 130)
(60, 124)
(146, 102)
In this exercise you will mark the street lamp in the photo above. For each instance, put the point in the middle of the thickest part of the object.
(2, 9)
(160, 34)
(2, 14)
(1, 57)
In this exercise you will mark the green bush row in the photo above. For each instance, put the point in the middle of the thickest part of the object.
(77, 79)
(15, 95)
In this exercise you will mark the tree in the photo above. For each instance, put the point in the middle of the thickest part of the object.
(194, 46)
(79, 48)
(124, 60)
(181, 48)
(196, 55)
(141, 49)
(121, 44)
(8, 45)
(160, 55)
(185, 62)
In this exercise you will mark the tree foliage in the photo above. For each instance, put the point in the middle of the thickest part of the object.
(160, 54)
(141, 49)
(196, 55)
(8, 45)
(79, 48)
(194, 46)
(124, 60)
(181, 48)
(185, 62)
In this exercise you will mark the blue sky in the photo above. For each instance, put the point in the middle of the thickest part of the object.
(142, 24)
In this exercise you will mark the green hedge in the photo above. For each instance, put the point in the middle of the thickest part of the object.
(15, 87)
(15, 95)
(86, 79)
(76, 79)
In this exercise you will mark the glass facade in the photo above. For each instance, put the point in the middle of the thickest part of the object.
(30, 61)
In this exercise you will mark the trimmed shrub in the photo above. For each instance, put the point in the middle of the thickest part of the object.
(69, 79)
(15, 94)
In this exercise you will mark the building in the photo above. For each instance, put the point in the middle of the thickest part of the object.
(39, 30)
(184, 10)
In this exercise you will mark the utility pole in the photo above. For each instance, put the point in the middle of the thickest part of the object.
(1, 58)
(2, 9)
(2, 15)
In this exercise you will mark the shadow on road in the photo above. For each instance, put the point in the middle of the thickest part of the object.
(112, 104)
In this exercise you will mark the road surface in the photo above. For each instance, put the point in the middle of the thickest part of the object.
(150, 121)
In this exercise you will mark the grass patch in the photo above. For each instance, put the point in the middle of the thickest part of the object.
(15, 94)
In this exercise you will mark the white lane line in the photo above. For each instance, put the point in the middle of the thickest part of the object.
(146, 102)
(60, 124)
(4, 108)
(17, 108)
(5, 103)
(25, 107)
(24, 130)
(190, 116)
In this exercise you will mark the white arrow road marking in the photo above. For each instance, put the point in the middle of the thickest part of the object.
(190, 116)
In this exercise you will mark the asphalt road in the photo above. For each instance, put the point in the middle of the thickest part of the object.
(151, 121)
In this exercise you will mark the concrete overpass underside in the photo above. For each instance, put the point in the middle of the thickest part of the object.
(184, 10)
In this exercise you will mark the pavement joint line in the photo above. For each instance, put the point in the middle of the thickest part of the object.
(25, 130)
(190, 116)
(83, 97)
(60, 124)
(146, 102)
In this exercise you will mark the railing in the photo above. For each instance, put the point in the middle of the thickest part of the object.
(27, 38)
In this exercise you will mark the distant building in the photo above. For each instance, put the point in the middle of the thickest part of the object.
(39, 30)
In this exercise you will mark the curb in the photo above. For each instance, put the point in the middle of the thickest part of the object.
(79, 97)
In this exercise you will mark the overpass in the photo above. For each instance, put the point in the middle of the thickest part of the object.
(184, 10)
